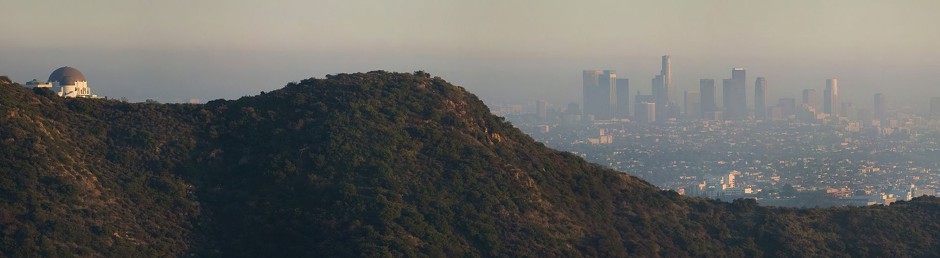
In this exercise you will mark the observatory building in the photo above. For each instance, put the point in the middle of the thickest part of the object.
(67, 82)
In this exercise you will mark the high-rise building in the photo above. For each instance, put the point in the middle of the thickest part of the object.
(726, 97)
(775, 113)
(659, 95)
(935, 106)
(658, 90)
(806, 113)
(608, 83)
(788, 106)
(865, 117)
(600, 93)
(657, 87)
(734, 95)
(668, 87)
(644, 111)
(623, 98)
(809, 97)
(541, 110)
(760, 96)
(664, 92)
(738, 73)
(879, 109)
(693, 104)
(637, 98)
(845, 109)
(707, 91)
(831, 97)
(573, 109)
(785, 108)
(590, 91)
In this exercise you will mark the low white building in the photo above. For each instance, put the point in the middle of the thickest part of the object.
(67, 82)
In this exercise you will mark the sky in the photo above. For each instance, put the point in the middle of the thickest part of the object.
(504, 51)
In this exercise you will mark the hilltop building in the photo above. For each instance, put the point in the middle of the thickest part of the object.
(67, 82)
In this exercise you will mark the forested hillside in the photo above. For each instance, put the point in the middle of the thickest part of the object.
(368, 164)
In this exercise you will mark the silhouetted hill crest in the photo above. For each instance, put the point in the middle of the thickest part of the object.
(367, 164)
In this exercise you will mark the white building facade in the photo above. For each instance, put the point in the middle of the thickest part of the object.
(67, 82)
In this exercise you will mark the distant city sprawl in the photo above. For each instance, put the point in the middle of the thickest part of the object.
(794, 152)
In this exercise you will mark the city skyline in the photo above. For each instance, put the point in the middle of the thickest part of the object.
(741, 105)
(599, 93)
(607, 97)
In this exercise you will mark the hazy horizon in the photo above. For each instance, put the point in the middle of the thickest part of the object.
(502, 51)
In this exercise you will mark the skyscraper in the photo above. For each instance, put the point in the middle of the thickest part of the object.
(541, 110)
(645, 112)
(726, 88)
(608, 84)
(573, 109)
(734, 95)
(738, 73)
(865, 117)
(935, 106)
(659, 95)
(844, 109)
(623, 98)
(693, 104)
(600, 93)
(831, 97)
(645, 109)
(809, 97)
(707, 91)
(590, 91)
(664, 93)
(666, 72)
(879, 108)
(656, 88)
(787, 106)
(760, 96)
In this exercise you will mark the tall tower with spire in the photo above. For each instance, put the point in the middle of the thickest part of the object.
(664, 94)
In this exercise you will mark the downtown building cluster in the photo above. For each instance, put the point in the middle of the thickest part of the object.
(812, 150)
(608, 97)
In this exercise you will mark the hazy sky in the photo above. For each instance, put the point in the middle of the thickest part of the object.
(504, 51)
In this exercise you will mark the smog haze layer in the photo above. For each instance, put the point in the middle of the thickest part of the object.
(504, 51)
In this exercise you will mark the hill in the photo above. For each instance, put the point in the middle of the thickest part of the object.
(368, 164)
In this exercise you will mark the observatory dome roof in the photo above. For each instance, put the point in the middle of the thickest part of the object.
(66, 76)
